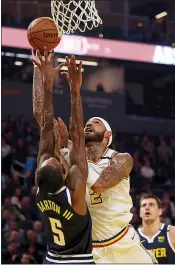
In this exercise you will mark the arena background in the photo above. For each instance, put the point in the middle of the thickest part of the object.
(128, 79)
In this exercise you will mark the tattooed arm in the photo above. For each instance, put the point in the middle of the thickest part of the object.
(77, 177)
(47, 139)
(120, 168)
(38, 94)
(38, 98)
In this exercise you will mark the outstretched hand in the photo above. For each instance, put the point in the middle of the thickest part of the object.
(74, 75)
(45, 65)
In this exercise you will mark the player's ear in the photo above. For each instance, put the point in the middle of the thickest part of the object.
(107, 134)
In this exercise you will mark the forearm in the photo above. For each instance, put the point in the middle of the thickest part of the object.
(48, 111)
(77, 111)
(108, 179)
(111, 176)
(38, 94)
(47, 139)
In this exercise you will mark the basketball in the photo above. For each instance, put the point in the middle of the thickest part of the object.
(43, 32)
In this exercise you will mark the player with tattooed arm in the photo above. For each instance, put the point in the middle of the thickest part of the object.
(108, 199)
(66, 218)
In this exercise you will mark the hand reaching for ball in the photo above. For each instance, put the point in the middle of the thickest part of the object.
(74, 75)
(45, 65)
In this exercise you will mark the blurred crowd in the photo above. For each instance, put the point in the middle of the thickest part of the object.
(23, 241)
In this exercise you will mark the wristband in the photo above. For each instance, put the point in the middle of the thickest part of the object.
(65, 152)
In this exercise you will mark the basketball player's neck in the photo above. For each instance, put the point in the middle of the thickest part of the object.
(151, 228)
(95, 151)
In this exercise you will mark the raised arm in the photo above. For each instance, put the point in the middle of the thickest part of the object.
(79, 170)
(47, 139)
(60, 131)
(38, 93)
(120, 168)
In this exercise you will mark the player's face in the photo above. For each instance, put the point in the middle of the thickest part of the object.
(149, 210)
(94, 131)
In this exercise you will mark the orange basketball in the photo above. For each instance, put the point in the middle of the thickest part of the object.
(43, 32)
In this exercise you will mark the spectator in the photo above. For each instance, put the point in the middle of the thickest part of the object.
(30, 165)
(20, 151)
(147, 171)
(5, 148)
(27, 259)
(163, 148)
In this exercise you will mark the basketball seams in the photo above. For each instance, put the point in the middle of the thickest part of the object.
(35, 44)
(45, 41)
(43, 31)
(42, 19)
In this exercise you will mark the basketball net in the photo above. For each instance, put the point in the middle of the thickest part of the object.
(71, 15)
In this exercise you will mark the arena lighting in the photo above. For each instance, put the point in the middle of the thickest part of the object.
(161, 15)
(18, 63)
(61, 60)
(9, 54)
(90, 63)
(25, 56)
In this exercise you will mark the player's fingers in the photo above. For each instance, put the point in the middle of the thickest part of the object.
(55, 121)
(39, 56)
(68, 62)
(36, 63)
(51, 57)
(45, 54)
(61, 65)
(33, 53)
(61, 123)
(73, 64)
(80, 67)
(59, 119)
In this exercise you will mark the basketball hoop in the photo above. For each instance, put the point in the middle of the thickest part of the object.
(71, 15)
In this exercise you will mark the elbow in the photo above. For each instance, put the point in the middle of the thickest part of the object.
(97, 189)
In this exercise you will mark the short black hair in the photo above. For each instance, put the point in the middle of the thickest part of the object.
(49, 179)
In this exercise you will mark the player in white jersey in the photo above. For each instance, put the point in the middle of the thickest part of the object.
(108, 199)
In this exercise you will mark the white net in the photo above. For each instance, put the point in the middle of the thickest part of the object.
(71, 15)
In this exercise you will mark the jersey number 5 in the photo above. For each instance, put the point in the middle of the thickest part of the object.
(58, 236)
(95, 198)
